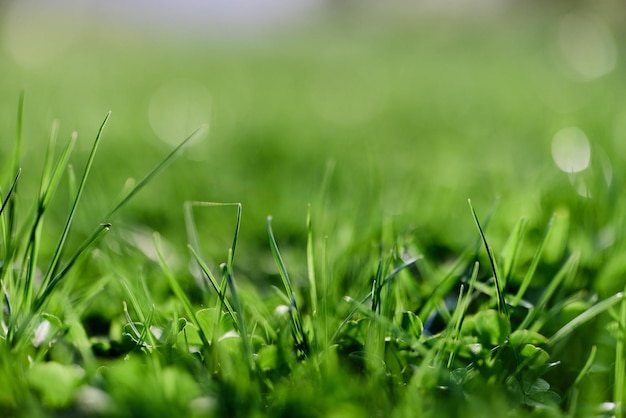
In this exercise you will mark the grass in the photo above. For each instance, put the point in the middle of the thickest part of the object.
(372, 290)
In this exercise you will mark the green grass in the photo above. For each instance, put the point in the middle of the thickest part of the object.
(371, 289)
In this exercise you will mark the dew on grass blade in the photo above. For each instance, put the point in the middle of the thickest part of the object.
(586, 43)
(571, 150)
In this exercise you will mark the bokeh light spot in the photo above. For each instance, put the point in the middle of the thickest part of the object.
(587, 45)
(177, 108)
(35, 33)
(571, 150)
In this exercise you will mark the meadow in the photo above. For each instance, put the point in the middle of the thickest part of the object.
(281, 227)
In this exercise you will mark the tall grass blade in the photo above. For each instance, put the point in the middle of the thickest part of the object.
(511, 252)
(620, 362)
(68, 223)
(461, 309)
(310, 263)
(501, 302)
(302, 345)
(242, 326)
(567, 269)
(43, 296)
(533, 264)
(589, 314)
(17, 148)
(178, 291)
(50, 179)
(221, 294)
(164, 163)
(367, 297)
(462, 263)
(6, 199)
(190, 223)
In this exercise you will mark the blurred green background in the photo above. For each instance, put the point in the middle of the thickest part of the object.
(372, 114)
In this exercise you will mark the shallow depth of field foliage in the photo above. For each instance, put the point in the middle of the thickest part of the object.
(281, 227)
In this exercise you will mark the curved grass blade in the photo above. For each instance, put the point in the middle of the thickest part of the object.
(190, 223)
(511, 252)
(501, 302)
(11, 190)
(533, 264)
(310, 258)
(68, 223)
(568, 269)
(302, 345)
(194, 246)
(164, 163)
(446, 284)
(213, 281)
(241, 324)
(104, 226)
(178, 291)
(590, 313)
(367, 297)
(50, 179)
(620, 362)
(49, 288)
(17, 147)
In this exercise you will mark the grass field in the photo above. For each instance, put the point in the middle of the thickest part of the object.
(309, 249)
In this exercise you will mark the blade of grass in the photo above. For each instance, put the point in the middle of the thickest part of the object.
(501, 302)
(43, 296)
(587, 315)
(448, 281)
(461, 309)
(367, 297)
(150, 176)
(302, 345)
(533, 264)
(8, 222)
(511, 251)
(242, 326)
(190, 223)
(49, 181)
(620, 361)
(567, 269)
(10, 193)
(178, 291)
(310, 262)
(104, 226)
(213, 281)
(17, 149)
(575, 388)
(52, 268)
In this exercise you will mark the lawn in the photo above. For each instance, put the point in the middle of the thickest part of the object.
(281, 227)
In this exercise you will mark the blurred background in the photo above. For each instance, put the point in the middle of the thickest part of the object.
(372, 112)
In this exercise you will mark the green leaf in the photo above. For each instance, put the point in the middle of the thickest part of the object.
(521, 337)
(492, 327)
(547, 398)
(537, 356)
(267, 357)
(55, 382)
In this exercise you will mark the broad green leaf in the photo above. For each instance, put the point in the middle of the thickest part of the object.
(55, 382)
(492, 327)
(536, 356)
(266, 357)
(521, 337)
(547, 398)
